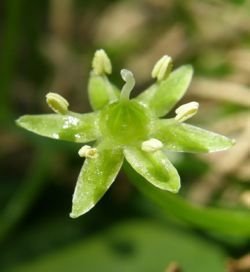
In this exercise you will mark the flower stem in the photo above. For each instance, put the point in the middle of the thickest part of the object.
(210, 219)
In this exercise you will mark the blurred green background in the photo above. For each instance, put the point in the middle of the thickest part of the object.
(47, 45)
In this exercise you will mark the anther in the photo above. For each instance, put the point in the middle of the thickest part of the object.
(57, 103)
(162, 68)
(186, 111)
(88, 152)
(101, 63)
(151, 145)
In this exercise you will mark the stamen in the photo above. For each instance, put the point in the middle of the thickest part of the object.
(151, 145)
(88, 152)
(101, 63)
(57, 103)
(129, 79)
(186, 111)
(162, 68)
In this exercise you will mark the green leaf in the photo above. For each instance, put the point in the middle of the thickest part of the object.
(101, 91)
(154, 167)
(161, 97)
(180, 137)
(96, 176)
(74, 127)
(134, 246)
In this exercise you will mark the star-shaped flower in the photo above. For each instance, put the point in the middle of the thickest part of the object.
(123, 127)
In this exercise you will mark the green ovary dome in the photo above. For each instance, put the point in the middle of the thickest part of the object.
(125, 122)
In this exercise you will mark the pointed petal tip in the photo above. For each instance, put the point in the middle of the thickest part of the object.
(229, 143)
(188, 67)
(169, 189)
(17, 121)
(73, 216)
(177, 187)
(176, 190)
(21, 121)
(77, 213)
(172, 188)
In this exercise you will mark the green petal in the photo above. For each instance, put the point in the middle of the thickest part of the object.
(96, 176)
(162, 96)
(183, 137)
(154, 167)
(101, 91)
(74, 127)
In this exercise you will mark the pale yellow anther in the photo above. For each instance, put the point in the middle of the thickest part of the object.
(162, 68)
(88, 152)
(186, 111)
(57, 103)
(151, 145)
(101, 63)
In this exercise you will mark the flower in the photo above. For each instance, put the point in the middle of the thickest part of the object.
(126, 128)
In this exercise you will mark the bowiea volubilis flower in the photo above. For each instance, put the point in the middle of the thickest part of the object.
(121, 127)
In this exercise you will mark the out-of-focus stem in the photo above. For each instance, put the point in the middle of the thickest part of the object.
(22, 200)
(8, 53)
(215, 220)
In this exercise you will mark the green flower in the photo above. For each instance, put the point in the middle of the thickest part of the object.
(126, 128)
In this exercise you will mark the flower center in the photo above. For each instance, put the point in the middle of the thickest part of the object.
(125, 122)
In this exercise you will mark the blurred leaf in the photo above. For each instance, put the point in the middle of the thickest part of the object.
(134, 246)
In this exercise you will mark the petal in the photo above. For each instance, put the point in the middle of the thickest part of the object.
(71, 127)
(161, 97)
(178, 136)
(101, 91)
(96, 176)
(154, 167)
